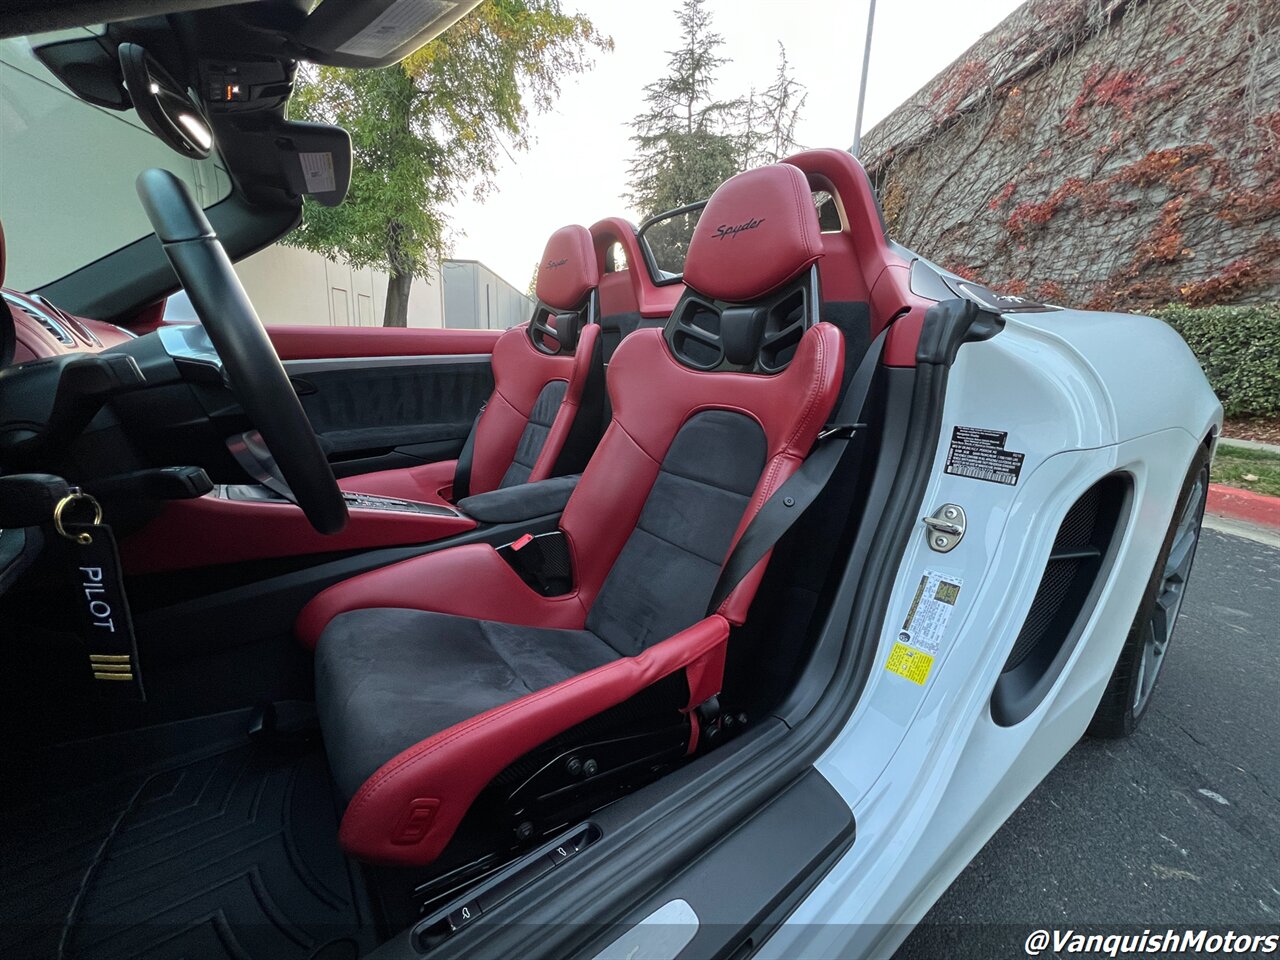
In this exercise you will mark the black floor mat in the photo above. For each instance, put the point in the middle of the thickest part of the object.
(185, 841)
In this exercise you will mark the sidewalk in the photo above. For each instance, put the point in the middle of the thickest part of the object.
(1249, 445)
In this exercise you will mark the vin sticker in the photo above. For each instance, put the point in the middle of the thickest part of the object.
(980, 455)
(925, 625)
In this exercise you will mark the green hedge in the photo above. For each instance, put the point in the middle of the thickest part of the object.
(1239, 348)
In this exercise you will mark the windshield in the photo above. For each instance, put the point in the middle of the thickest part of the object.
(67, 169)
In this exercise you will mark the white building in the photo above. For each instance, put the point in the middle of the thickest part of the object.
(288, 285)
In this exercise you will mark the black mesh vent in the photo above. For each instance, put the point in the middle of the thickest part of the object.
(1069, 575)
(1080, 523)
(1054, 587)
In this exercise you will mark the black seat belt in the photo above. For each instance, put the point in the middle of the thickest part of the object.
(786, 505)
(462, 472)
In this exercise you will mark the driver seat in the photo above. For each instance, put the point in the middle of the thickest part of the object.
(437, 674)
(543, 417)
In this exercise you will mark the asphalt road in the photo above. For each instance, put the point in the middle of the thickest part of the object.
(1177, 825)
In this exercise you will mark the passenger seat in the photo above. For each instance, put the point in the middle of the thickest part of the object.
(544, 416)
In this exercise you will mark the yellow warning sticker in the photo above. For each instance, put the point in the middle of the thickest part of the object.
(910, 663)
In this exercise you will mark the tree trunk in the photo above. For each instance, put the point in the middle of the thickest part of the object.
(396, 312)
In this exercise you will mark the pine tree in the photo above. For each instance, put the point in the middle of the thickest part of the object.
(684, 144)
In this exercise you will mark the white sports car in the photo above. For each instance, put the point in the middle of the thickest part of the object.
(725, 608)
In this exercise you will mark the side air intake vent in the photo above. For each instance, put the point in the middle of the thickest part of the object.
(1081, 554)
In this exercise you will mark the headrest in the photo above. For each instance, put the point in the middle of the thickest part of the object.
(568, 270)
(758, 231)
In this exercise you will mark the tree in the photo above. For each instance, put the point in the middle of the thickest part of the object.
(782, 102)
(684, 145)
(430, 127)
(765, 122)
(688, 142)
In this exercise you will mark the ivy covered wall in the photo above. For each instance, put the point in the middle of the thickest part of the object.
(1113, 154)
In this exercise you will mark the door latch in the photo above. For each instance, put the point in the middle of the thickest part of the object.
(946, 527)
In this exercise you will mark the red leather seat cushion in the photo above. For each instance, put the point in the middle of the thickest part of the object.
(407, 811)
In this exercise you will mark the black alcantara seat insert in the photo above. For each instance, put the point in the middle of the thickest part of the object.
(663, 579)
(534, 437)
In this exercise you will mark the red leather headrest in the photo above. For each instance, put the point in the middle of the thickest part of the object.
(759, 230)
(568, 271)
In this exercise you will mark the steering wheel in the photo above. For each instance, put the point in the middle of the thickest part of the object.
(252, 367)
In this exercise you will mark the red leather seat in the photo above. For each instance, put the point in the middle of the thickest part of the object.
(436, 674)
(540, 371)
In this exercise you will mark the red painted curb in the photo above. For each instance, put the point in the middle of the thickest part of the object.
(1244, 505)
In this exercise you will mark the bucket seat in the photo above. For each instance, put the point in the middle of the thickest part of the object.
(436, 674)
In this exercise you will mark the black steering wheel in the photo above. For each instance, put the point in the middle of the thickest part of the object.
(252, 367)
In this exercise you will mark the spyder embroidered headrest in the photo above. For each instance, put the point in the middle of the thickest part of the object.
(758, 231)
(568, 270)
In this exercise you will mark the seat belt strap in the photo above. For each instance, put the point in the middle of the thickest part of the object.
(462, 472)
(786, 505)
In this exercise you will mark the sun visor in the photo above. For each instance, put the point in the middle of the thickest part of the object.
(375, 33)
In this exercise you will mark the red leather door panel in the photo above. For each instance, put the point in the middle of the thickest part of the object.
(322, 343)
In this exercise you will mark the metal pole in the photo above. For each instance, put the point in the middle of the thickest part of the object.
(862, 88)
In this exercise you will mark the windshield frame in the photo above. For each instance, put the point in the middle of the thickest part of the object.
(660, 277)
(258, 203)
(71, 160)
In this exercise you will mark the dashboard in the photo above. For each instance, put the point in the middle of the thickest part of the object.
(41, 329)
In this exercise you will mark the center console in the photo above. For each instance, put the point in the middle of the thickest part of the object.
(256, 493)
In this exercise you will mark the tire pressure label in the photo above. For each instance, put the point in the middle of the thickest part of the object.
(924, 627)
(980, 455)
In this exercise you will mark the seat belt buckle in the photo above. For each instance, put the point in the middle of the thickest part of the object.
(845, 430)
(522, 542)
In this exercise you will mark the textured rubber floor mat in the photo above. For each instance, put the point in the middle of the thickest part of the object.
(228, 853)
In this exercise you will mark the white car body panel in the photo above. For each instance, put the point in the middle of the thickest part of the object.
(927, 771)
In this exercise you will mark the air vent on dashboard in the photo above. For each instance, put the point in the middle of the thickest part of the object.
(46, 320)
(61, 316)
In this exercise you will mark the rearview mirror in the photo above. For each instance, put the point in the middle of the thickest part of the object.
(163, 104)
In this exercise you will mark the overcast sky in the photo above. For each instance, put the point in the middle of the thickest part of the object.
(576, 170)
